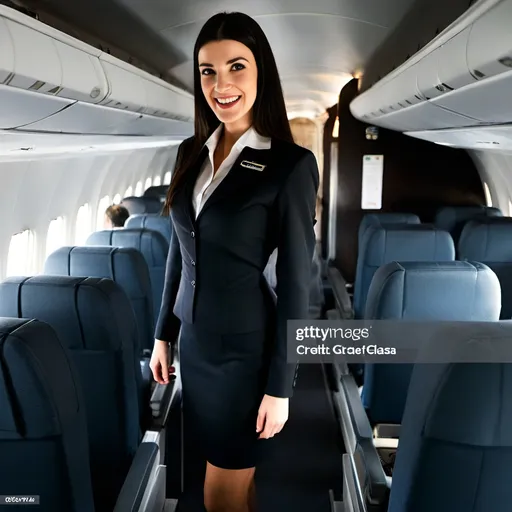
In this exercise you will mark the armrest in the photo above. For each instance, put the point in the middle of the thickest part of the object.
(360, 421)
(341, 295)
(137, 480)
(373, 480)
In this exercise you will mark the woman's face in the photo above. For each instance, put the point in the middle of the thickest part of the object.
(229, 80)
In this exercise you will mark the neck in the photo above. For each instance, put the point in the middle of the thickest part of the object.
(233, 131)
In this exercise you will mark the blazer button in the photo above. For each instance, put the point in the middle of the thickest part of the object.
(193, 263)
(192, 234)
(193, 283)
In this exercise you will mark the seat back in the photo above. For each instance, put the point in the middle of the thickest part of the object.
(124, 265)
(490, 241)
(43, 430)
(377, 219)
(153, 247)
(159, 191)
(454, 451)
(152, 221)
(401, 242)
(453, 218)
(422, 291)
(142, 204)
(94, 320)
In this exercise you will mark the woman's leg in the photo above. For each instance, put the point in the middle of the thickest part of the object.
(228, 490)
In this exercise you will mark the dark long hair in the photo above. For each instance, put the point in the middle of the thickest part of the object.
(269, 111)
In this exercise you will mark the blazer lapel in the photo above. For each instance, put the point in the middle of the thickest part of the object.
(249, 161)
(188, 186)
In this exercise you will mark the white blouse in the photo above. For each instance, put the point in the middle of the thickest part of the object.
(206, 182)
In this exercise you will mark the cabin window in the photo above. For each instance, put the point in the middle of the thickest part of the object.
(83, 224)
(147, 184)
(157, 181)
(117, 199)
(167, 178)
(488, 197)
(102, 206)
(129, 192)
(21, 257)
(56, 236)
(138, 189)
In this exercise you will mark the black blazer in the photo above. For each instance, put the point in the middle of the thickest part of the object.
(215, 263)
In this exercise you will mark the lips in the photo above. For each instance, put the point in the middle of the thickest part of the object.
(227, 105)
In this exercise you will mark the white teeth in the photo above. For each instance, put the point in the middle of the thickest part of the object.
(224, 101)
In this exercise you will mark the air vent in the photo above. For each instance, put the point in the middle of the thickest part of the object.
(444, 88)
(506, 61)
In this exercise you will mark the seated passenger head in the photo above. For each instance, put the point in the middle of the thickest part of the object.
(115, 216)
(233, 60)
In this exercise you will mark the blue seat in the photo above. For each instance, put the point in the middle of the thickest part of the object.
(43, 429)
(422, 291)
(94, 320)
(125, 266)
(152, 221)
(490, 241)
(153, 247)
(454, 453)
(400, 242)
(377, 219)
(159, 191)
(453, 218)
(142, 204)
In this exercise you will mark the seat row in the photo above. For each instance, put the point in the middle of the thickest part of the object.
(411, 275)
(75, 415)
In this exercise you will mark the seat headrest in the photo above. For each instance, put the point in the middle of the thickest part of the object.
(38, 390)
(452, 290)
(151, 244)
(488, 240)
(87, 313)
(159, 191)
(124, 265)
(152, 221)
(413, 242)
(453, 218)
(376, 219)
(142, 204)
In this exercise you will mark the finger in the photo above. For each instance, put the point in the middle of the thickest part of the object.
(267, 432)
(157, 374)
(260, 421)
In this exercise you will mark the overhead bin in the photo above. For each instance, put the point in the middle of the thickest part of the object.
(465, 74)
(42, 71)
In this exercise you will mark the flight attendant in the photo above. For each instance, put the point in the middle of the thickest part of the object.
(240, 189)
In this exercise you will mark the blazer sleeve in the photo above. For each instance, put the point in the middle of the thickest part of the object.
(168, 324)
(296, 244)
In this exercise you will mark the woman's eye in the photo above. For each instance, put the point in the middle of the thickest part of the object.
(241, 66)
(206, 71)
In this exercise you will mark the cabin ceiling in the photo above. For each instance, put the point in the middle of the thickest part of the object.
(319, 44)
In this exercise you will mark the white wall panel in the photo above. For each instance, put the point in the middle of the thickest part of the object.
(36, 191)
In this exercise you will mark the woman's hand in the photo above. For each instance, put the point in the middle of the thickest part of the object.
(159, 363)
(272, 416)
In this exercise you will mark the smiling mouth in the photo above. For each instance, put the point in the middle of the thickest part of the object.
(227, 102)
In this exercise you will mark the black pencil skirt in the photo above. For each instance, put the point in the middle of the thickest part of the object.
(223, 381)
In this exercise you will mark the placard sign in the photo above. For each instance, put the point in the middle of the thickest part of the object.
(371, 194)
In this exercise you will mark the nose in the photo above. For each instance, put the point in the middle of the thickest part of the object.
(223, 84)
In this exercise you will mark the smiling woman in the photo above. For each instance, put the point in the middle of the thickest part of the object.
(240, 190)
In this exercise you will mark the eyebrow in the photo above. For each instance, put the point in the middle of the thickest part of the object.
(231, 61)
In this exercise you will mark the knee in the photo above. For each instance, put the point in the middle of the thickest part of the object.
(217, 500)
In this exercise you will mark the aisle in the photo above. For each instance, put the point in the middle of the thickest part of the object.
(303, 466)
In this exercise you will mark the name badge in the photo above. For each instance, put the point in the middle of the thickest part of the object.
(253, 165)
